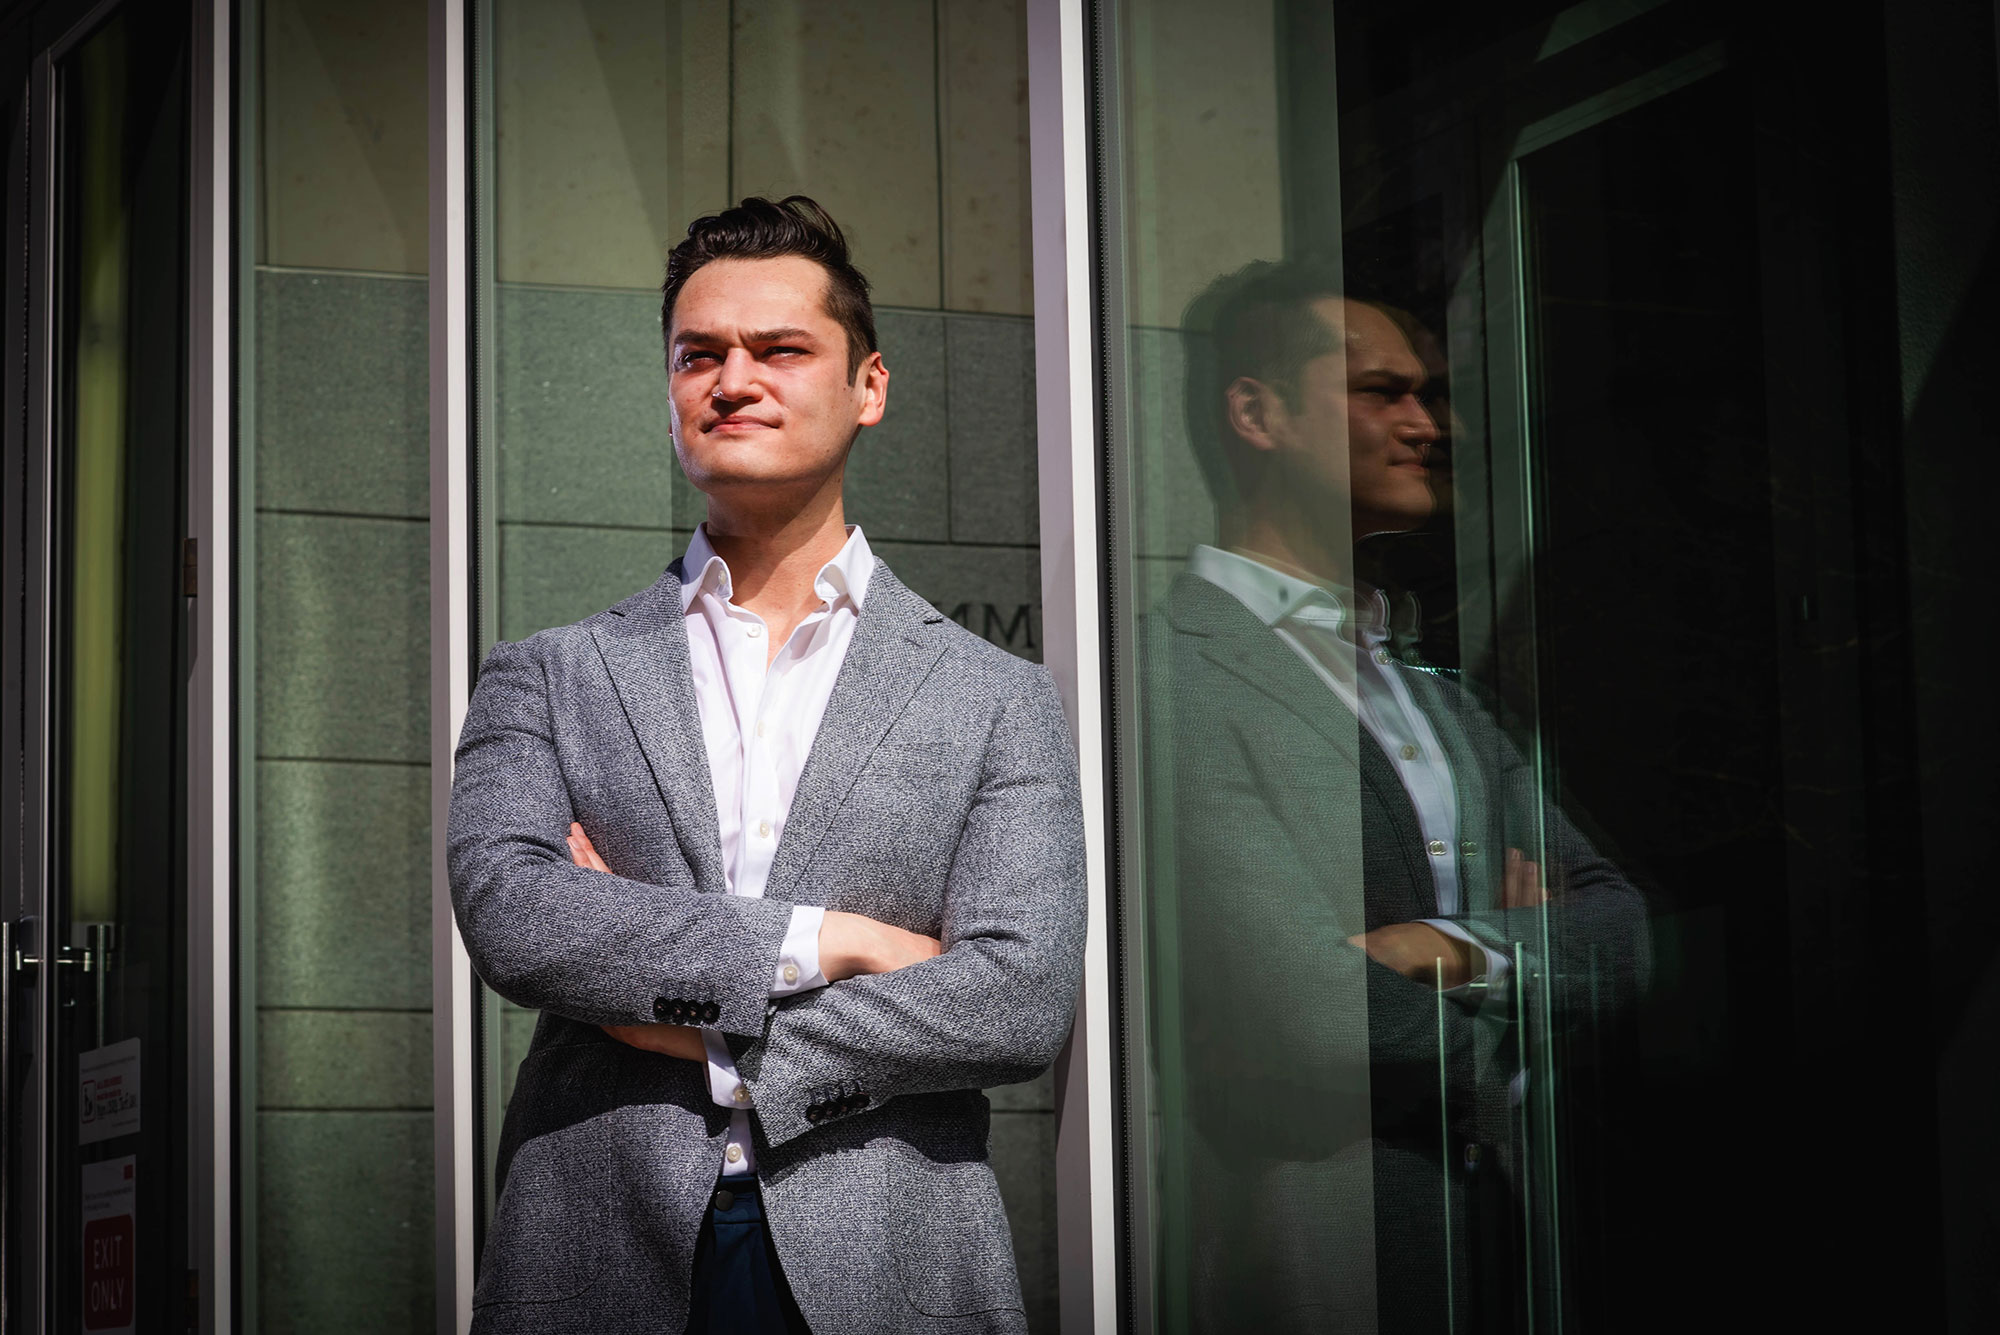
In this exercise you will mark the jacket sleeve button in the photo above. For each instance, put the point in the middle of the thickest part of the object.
(659, 1008)
(711, 1012)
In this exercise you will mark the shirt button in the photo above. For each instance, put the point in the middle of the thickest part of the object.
(791, 973)
(763, 829)
(741, 1094)
(734, 1154)
(753, 630)
(1384, 657)
(1409, 752)
(1439, 848)
(760, 727)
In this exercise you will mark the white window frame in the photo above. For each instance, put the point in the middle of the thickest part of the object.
(1072, 552)
(454, 990)
(216, 1095)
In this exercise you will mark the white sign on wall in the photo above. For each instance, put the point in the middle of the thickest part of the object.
(107, 1102)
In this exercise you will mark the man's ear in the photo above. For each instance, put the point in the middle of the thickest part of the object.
(873, 382)
(1254, 412)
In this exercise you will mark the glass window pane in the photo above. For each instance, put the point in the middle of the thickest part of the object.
(334, 540)
(1512, 452)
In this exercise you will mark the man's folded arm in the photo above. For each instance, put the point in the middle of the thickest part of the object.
(1592, 935)
(994, 1007)
(1274, 993)
(1596, 917)
(550, 935)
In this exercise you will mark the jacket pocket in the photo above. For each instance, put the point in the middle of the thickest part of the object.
(548, 1239)
(953, 1246)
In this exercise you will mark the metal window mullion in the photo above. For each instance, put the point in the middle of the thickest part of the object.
(454, 1079)
(211, 808)
(1071, 555)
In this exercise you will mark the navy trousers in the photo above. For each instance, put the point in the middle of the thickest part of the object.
(738, 1287)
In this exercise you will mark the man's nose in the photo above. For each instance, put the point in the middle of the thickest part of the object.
(737, 378)
(1418, 427)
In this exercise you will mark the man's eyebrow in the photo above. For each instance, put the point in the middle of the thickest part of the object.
(785, 334)
(1400, 379)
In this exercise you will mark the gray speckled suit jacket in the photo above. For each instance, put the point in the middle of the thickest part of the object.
(940, 795)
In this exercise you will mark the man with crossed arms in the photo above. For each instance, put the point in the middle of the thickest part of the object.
(791, 864)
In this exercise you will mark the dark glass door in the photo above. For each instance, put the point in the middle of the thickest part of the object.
(1678, 310)
(95, 865)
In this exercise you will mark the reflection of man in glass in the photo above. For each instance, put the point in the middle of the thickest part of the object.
(1353, 921)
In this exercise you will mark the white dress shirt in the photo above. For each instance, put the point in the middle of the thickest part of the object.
(1355, 663)
(758, 725)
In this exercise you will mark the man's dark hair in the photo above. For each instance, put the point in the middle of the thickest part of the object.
(758, 229)
(1257, 322)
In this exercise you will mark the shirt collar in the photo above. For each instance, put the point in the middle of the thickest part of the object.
(1274, 596)
(846, 575)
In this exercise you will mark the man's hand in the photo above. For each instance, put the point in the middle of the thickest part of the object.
(1521, 884)
(1419, 952)
(669, 1040)
(582, 852)
(851, 944)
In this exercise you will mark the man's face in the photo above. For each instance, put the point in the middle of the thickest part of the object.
(1354, 425)
(762, 402)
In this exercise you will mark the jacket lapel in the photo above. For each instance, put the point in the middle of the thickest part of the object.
(646, 653)
(1245, 647)
(1404, 837)
(1248, 649)
(896, 643)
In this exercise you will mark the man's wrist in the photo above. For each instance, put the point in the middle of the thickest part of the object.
(838, 946)
(1462, 965)
(1421, 953)
(668, 1040)
(851, 944)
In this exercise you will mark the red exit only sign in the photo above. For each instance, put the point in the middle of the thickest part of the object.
(108, 1271)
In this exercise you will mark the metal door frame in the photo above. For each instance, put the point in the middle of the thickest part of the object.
(26, 644)
(1494, 389)
(27, 648)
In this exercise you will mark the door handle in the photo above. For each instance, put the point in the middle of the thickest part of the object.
(70, 956)
(93, 957)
